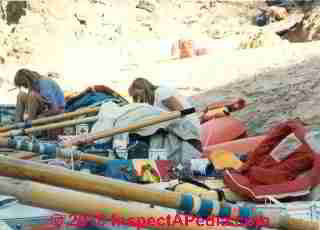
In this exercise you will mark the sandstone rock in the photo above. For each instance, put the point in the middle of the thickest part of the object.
(149, 5)
(311, 24)
(260, 38)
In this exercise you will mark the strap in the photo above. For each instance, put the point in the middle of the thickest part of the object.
(194, 182)
(186, 112)
(220, 192)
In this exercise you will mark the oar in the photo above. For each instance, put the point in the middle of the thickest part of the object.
(62, 151)
(127, 191)
(89, 138)
(59, 152)
(80, 205)
(51, 119)
(69, 115)
(23, 131)
(52, 150)
(231, 106)
(63, 124)
(20, 155)
(22, 128)
(57, 176)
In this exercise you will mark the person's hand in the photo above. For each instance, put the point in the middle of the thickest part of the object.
(25, 116)
(278, 12)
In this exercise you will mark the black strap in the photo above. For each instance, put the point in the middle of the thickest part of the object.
(186, 112)
(220, 192)
(195, 182)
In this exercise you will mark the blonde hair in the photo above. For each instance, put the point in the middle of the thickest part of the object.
(142, 91)
(26, 78)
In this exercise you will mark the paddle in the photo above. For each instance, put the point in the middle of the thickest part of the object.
(96, 184)
(45, 120)
(19, 132)
(20, 155)
(53, 150)
(65, 178)
(89, 138)
(82, 206)
(163, 117)
(51, 119)
(83, 139)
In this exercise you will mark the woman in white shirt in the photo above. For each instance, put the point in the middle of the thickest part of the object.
(168, 99)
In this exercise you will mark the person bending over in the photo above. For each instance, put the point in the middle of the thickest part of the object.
(44, 97)
(168, 99)
(143, 91)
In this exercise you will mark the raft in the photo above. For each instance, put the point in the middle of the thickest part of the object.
(241, 146)
(221, 130)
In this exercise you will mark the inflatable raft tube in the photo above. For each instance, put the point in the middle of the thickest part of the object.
(241, 146)
(221, 130)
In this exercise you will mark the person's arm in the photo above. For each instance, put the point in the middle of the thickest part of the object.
(173, 104)
(50, 112)
(217, 113)
(50, 98)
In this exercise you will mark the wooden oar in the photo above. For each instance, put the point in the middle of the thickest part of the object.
(117, 189)
(51, 119)
(83, 138)
(69, 115)
(54, 151)
(298, 224)
(63, 124)
(231, 106)
(27, 152)
(77, 155)
(21, 155)
(89, 138)
(81, 205)
(21, 128)
(22, 169)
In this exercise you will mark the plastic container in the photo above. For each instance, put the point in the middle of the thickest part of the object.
(186, 48)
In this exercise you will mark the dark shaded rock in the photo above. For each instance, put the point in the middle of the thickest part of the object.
(14, 11)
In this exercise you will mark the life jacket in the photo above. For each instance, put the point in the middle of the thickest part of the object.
(275, 167)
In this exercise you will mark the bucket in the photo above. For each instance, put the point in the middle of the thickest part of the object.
(186, 48)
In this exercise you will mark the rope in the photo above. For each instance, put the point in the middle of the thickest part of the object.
(71, 154)
(72, 161)
(80, 156)
(274, 200)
